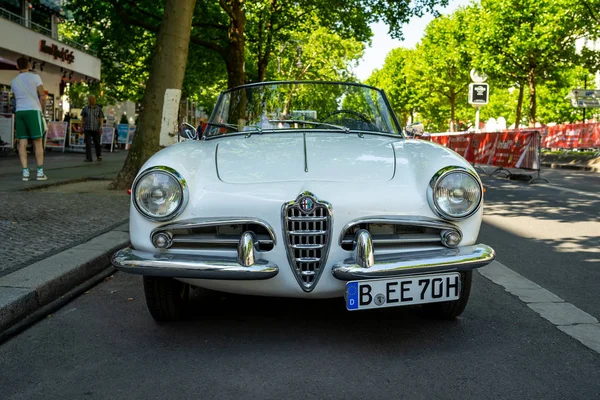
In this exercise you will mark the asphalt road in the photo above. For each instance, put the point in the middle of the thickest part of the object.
(104, 344)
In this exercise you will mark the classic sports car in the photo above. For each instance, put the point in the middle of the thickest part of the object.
(310, 190)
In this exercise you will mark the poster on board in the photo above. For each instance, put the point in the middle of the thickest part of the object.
(122, 133)
(56, 134)
(6, 130)
(108, 136)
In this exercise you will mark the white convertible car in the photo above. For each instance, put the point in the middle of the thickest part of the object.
(308, 190)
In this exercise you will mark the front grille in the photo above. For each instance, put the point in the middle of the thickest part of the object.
(393, 234)
(308, 236)
(217, 234)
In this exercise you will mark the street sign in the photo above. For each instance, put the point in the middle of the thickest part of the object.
(584, 98)
(479, 94)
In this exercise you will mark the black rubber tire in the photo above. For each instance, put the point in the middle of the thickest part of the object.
(167, 299)
(449, 310)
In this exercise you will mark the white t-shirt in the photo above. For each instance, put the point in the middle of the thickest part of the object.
(24, 87)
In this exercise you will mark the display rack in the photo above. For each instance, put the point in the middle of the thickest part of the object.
(5, 102)
(7, 124)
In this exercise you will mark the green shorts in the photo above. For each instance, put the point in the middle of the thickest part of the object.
(29, 124)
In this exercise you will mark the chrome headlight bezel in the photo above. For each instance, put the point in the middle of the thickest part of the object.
(182, 187)
(437, 178)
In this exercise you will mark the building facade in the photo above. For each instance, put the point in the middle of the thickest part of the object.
(30, 29)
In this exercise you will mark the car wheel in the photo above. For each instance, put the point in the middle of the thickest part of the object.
(451, 309)
(167, 299)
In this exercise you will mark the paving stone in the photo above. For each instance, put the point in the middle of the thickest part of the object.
(35, 225)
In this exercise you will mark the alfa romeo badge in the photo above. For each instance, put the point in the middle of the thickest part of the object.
(307, 204)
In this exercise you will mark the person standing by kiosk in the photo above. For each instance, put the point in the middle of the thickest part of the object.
(92, 119)
(30, 97)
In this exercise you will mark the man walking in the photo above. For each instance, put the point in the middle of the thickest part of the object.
(30, 98)
(93, 118)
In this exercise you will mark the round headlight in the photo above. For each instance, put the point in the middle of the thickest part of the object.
(159, 193)
(456, 193)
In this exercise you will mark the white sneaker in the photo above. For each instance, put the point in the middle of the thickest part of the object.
(25, 174)
(41, 176)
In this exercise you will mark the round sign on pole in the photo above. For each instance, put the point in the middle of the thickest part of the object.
(478, 77)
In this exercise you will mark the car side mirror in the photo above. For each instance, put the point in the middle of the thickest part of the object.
(187, 131)
(415, 130)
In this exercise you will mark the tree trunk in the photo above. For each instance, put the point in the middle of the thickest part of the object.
(519, 105)
(263, 57)
(532, 97)
(168, 70)
(235, 59)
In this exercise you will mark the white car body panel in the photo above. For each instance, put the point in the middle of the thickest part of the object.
(359, 176)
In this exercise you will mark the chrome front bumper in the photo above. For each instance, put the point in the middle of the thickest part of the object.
(399, 264)
(385, 266)
(188, 266)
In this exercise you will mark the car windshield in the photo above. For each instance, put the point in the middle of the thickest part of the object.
(323, 106)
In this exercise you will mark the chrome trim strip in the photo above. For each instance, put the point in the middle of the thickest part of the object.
(406, 221)
(305, 155)
(190, 266)
(401, 264)
(193, 239)
(216, 159)
(453, 169)
(216, 221)
(182, 184)
(290, 249)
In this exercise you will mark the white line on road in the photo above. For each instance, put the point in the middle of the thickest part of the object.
(565, 316)
(564, 189)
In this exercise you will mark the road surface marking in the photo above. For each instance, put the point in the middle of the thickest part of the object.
(565, 316)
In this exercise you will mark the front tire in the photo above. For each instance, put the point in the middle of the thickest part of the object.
(167, 299)
(449, 310)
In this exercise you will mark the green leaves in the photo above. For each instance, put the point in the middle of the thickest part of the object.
(517, 43)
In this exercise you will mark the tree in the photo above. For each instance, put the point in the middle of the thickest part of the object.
(531, 40)
(223, 27)
(164, 84)
(397, 79)
(443, 62)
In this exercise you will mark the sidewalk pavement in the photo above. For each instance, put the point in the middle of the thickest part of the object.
(56, 235)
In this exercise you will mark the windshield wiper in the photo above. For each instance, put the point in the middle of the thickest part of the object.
(316, 123)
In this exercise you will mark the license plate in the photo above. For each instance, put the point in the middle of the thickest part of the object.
(378, 293)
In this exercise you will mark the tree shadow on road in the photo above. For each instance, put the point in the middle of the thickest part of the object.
(515, 199)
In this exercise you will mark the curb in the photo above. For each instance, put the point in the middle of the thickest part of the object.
(578, 167)
(36, 286)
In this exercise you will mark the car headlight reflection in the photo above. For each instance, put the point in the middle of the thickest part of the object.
(160, 193)
(456, 193)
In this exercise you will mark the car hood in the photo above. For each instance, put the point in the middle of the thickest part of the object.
(314, 156)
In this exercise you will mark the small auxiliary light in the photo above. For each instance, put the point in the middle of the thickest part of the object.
(451, 238)
(161, 240)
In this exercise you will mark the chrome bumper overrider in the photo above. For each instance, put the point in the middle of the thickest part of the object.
(189, 266)
(391, 265)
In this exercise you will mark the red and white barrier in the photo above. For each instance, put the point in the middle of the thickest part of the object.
(572, 136)
(509, 149)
